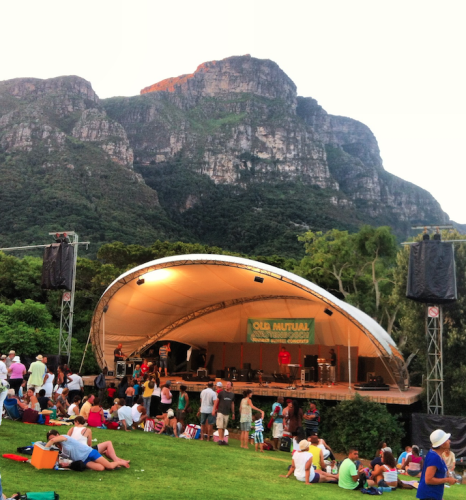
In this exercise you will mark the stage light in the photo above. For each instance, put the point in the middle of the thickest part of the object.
(258, 279)
(105, 308)
(140, 281)
(158, 275)
(328, 311)
(425, 237)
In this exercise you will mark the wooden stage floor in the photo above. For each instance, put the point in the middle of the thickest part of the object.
(337, 392)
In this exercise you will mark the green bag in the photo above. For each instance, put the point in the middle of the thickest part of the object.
(41, 495)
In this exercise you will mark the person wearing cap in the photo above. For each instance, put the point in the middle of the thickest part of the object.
(9, 359)
(36, 369)
(223, 405)
(301, 466)
(434, 474)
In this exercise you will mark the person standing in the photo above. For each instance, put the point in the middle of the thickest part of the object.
(183, 404)
(36, 379)
(3, 386)
(163, 357)
(277, 426)
(16, 372)
(284, 359)
(224, 404)
(118, 355)
(245, 410)
(333, 365)
(208, 398)
(9, 359)
(312, 420)
(434, 474)
(75, 386)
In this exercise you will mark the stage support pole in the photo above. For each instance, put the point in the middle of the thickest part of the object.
(349, 360)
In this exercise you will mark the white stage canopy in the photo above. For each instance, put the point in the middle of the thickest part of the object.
(196, 299)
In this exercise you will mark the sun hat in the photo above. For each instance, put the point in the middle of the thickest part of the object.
(438, 437)
(11, 352)
(219, 384)
(16, 359)
(11, 392)
(39, 357)
(387, 448)
(304, 445)
(170, 413)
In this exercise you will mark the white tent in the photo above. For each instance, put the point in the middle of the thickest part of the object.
(197, 299)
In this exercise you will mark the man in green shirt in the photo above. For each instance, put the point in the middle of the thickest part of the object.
(36, 379)
(349, 478)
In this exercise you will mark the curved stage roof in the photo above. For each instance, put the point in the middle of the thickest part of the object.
(196, 299)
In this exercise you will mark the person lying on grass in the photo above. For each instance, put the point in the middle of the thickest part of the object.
(91, 457)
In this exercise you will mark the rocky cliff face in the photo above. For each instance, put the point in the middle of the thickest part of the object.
(242, 116)
(229, 155)
(36, 113)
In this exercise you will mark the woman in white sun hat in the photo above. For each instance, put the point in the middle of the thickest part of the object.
(435, 472)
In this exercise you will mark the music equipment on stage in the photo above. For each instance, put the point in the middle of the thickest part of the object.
(376, 383)
(188, 376)
(220, 374)
(136, 361)
(294, 369)
(245, 375)
(229, 372)
(246, 366)
(201, 373)
(310, 361)
(120, 369)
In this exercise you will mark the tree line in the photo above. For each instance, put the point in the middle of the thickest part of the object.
(367, 269)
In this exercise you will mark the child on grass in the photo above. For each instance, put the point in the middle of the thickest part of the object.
(258, 431)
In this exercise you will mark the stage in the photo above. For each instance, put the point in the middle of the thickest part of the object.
(337, 392)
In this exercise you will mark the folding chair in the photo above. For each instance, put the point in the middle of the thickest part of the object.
(11, 408)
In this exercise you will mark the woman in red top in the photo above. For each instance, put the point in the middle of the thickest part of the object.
(96, 415)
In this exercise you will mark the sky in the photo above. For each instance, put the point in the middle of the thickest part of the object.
(398, 66)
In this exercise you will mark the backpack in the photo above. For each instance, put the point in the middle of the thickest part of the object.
(99, 381)
(285, 444)
(40, 495)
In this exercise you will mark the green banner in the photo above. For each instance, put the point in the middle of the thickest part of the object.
(281, 331)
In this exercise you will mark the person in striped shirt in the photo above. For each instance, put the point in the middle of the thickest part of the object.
(163, 358)
(258, 431)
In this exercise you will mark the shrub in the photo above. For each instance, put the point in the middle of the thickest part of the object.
(363, 423)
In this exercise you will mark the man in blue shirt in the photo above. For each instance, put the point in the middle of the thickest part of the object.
(435, 472)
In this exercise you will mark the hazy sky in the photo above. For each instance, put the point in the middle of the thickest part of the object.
(397, 66)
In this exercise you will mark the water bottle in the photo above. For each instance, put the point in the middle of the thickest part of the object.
(329, 469)
(421, 452)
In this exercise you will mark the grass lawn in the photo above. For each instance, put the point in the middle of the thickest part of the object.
(169, 468)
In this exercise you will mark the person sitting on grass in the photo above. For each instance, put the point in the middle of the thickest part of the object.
(44, 401)
(96, 414)
(125, 416)
(114, 409)
(414, 463)
(301, 466)
(73, 409)
(318, 461)
(91, 458)
(30, 401)
(86, 407)
(350, 478)
(385, 475)
(170, 424)
(258, 431)
(62, 403)
(80, 432)
(403, 457)
(138, 413)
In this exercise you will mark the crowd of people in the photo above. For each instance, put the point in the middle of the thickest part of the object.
(145, 399)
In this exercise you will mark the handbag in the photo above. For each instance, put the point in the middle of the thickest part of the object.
(30, 416)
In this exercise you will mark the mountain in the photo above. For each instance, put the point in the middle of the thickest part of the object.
(229, 155)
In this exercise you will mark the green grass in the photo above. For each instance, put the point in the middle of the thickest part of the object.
(168, 468)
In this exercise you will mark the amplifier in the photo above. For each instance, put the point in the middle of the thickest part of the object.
(120, 369)
(306, 375)
(201, 373)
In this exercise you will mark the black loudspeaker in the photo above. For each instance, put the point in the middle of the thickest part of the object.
(187, 376)
(246, 366)
(220, 374)
(57, 267)
(245, 375)
(310, 361)
(229, 373)
(431, 272)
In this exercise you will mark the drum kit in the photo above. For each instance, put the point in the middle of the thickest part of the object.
(324, 369)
